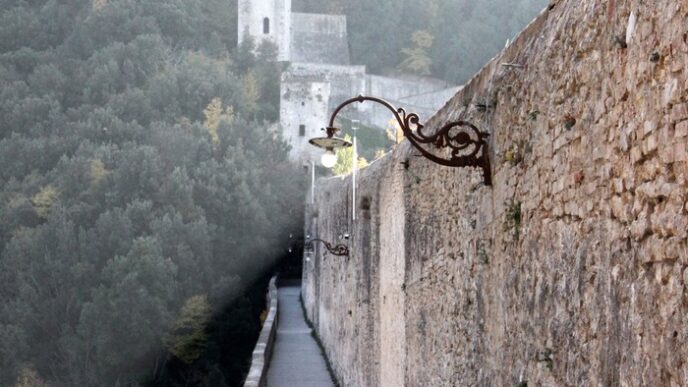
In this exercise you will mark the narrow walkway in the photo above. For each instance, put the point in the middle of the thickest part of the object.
(296, 358)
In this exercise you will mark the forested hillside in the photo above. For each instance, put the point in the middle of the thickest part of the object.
(142, 190)
(448, 39)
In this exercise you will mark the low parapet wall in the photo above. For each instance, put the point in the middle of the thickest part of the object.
(572, 269)
(257, 376)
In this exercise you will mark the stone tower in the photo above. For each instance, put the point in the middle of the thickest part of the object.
(303, 112)
(267, 20)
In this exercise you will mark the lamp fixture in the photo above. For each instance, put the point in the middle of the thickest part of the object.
(339, 250)
(329, 159)
(468, 145)
(330, 144)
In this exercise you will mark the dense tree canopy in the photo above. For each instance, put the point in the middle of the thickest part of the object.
(142, 186)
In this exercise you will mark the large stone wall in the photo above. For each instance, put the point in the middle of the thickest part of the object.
(423, 95)
(572, 269)
(319, 38)
(303, 109)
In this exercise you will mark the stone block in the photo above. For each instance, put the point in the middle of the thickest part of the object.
(621, 208)
(680, 151)
(641, 227)
(649, 127)
(650, 144)
(561, 141)
(666, 135)
(655, 189)
(649, 170)
(681, 129)
(624, 140)
(656, 250)
(672, 91)
(679, 112)
(666, 154)
(600, 152)
(590, 188)
(618, 185)
(636, 154)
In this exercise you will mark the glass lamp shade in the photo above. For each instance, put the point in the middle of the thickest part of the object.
(329, 159)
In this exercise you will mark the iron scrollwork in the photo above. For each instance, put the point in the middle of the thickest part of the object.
(468, 145)
(338, 250)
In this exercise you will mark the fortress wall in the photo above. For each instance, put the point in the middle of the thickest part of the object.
(319, 39)
(572, 269)
(422, 95)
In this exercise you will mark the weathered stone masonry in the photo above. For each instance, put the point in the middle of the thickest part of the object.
(572, 270)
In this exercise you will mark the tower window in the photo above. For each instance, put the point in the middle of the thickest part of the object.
(266, 26)
(302, 130)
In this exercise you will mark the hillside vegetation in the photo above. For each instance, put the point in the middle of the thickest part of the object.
(142, 190)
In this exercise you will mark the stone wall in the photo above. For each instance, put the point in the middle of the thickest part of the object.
(423, 95)
(260, 359)
(319, 38)
(303, 102)
(572, 269)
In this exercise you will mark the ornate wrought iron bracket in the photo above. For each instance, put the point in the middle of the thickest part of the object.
(338, 250)
(467, 144)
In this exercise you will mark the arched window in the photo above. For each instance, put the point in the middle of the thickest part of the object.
(266, 26)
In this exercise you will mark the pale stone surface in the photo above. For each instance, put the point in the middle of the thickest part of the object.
(593, 288)
(296, 357)
(319, 39)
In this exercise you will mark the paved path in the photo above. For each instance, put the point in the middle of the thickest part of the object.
(296, 358)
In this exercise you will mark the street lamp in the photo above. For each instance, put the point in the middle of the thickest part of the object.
(330, 143)
(329, 159)
(467, 144)
(339, 250)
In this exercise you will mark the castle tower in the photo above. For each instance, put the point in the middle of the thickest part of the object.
(303, 112)
(267, 20)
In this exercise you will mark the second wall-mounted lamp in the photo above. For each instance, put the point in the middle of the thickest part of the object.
(339, 250)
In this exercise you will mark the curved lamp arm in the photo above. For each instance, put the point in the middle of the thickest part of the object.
(468, 145)
(338, 250)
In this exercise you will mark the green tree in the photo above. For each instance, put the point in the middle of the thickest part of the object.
(345, 157)
(44, 200)
(142, 283)
(188, 337)
(417, 59)
(214, 114)
(250, 94)
(28, 377)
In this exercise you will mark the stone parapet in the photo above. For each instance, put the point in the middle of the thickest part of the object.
(257, 376)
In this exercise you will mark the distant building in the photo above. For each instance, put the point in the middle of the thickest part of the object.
(320, 75)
